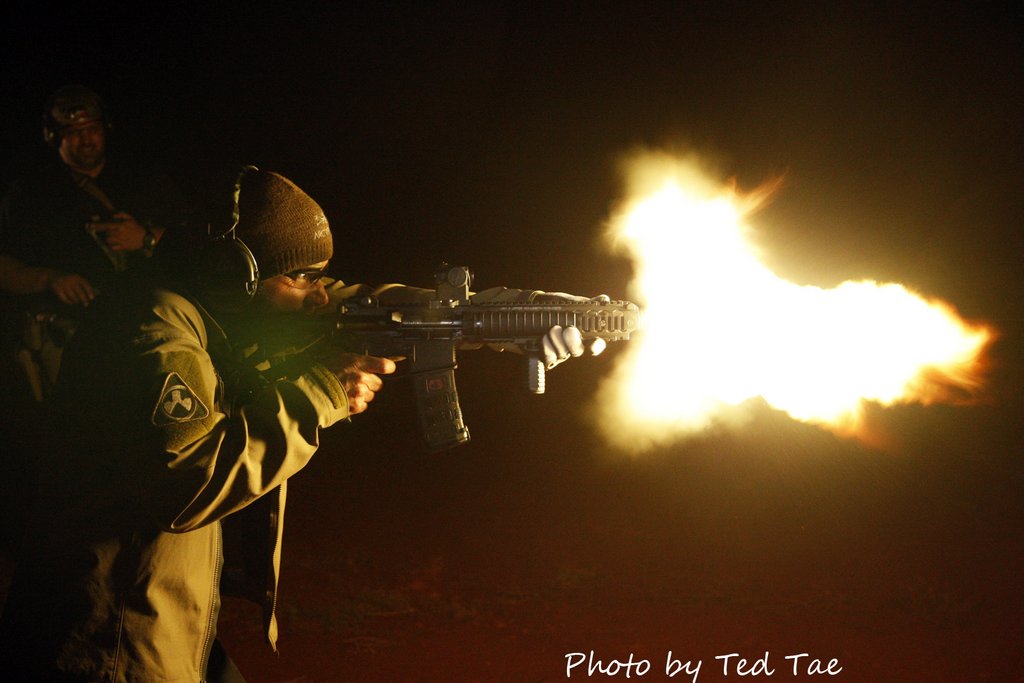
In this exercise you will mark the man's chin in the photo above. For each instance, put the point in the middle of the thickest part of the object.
(88, 164)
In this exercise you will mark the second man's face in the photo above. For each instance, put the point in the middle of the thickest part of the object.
(83, 146)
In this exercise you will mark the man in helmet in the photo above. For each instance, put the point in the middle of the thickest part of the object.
(71, 227)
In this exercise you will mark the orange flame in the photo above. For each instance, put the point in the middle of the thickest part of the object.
(720, 328)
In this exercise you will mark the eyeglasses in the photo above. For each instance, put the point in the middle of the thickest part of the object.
(305, 277)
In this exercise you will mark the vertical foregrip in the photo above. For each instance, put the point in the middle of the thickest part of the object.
(437, 403)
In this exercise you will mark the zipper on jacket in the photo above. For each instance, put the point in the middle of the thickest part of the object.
(214, 601)
(276, 519)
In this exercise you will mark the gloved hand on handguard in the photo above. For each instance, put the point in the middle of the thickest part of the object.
(560, 343)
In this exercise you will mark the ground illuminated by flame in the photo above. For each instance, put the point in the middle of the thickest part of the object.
(719, 328)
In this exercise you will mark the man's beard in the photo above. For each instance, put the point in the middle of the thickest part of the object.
(87, 159)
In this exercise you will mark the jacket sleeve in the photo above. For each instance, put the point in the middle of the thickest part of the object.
(209, 464)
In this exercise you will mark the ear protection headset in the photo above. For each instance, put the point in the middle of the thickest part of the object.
(228, 275)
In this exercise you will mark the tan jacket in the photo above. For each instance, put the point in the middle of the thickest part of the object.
(121, 583)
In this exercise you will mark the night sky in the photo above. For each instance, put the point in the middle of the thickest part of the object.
(491, 135)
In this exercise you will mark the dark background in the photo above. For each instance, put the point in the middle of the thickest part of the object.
(490, 135)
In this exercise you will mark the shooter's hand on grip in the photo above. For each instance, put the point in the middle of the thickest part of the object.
(359, 376)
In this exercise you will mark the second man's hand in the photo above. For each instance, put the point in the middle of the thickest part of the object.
(72, 289)
(121, 232)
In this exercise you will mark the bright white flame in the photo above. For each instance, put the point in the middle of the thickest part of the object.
(719, 328)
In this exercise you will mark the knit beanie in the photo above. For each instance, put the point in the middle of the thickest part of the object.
(283, 227)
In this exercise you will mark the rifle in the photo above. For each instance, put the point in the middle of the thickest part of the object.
(118, 259)
(429, 334)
